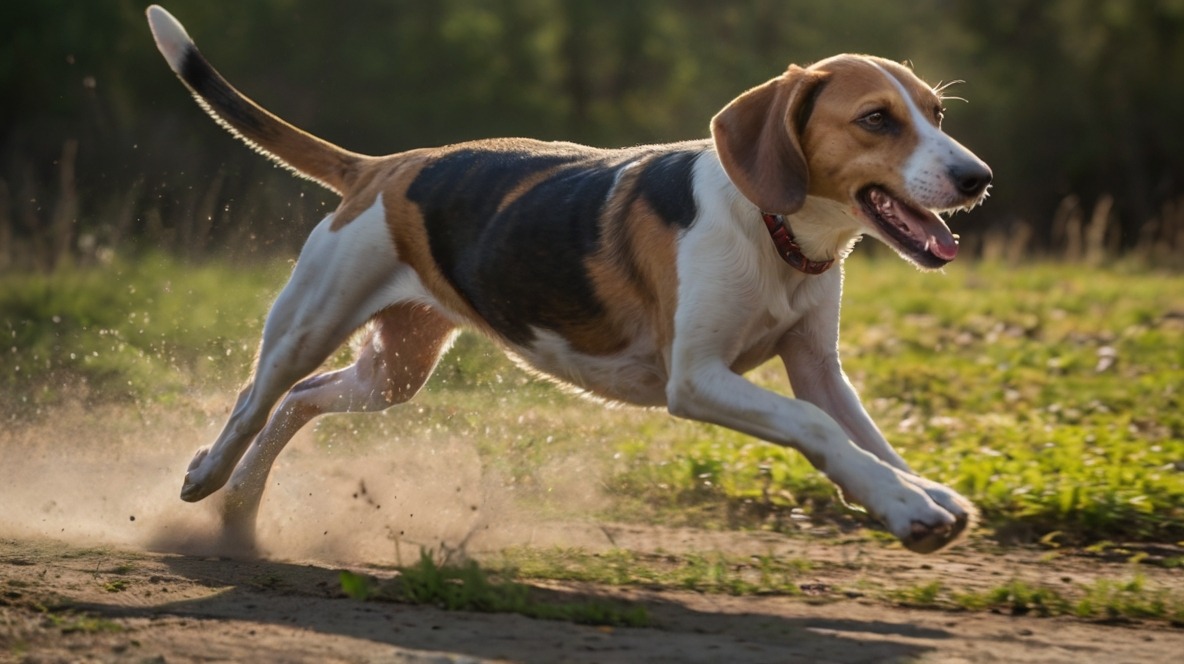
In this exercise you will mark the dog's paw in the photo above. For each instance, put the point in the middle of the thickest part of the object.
(924, 515)
(203, 477)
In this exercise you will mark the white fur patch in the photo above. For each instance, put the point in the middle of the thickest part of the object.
(635, 375)
(345, 276)
(170, 36)
(926, 172)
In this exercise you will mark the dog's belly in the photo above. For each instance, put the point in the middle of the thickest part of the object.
(636, 375)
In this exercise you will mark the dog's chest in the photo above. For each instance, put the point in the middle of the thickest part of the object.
(771, 321)
(638, 374)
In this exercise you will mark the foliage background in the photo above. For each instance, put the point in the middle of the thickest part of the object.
(1075, 104)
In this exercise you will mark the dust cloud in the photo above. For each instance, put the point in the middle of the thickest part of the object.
(100, 476)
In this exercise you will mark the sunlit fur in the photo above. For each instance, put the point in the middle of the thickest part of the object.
(651, 277)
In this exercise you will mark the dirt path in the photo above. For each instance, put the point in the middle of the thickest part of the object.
(84, 495)
(62, 603)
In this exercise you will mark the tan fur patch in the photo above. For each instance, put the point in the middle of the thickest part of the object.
(632, 275)
(413, 336)
(524, 187)
(844, 157)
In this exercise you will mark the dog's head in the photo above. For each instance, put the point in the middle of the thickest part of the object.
(864, 132)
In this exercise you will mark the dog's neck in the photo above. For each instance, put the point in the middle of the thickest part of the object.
(824, 229)
(787, 247)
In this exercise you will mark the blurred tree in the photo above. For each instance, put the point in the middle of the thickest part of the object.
(1067, 97)
(1081, 99)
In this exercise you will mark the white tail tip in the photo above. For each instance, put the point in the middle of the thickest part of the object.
(170, 36)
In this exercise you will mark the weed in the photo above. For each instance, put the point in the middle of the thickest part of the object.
(81, 623)
(1017, 598)
(356, 586)
(1102, 599)
(467, 587)
(715, 573)
(1131, 599)
(923, 595)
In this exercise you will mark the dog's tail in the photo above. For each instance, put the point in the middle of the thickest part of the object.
(307, 155)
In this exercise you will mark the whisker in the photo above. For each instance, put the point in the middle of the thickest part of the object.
(942, 86)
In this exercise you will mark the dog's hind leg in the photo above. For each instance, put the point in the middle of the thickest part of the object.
(397, 356)
(344, 276)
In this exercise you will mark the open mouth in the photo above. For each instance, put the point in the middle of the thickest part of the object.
(917, 234)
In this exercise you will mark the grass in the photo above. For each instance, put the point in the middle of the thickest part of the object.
(1050, 395)
(493, 586)
(73, 622)
(468, 587)
(1103, 599)
(716, 573)
(130, 330)
(1132, 598)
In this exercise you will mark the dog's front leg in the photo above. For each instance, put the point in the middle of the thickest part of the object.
(711, 392)
(810, 354)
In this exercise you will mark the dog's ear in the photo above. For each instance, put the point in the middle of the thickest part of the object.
(758, 142)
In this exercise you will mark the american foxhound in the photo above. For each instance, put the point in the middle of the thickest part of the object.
(654, 275)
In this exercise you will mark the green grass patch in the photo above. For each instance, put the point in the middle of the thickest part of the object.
(1132, 598)
(151, 328)
(468, 587)
(1104, 599)
(716, 573)
(116, 585)
(1050, 395)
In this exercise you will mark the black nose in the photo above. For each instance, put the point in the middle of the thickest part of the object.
(971, 179)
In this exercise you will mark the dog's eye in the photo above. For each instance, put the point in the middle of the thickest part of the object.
(876, 121)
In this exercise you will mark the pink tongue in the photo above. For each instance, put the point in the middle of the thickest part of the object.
(943, 245)
(939, 241)
(923, 225)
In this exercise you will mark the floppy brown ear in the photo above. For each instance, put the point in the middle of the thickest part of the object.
(756, 138)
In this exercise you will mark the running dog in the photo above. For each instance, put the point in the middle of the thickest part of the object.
(654, 275)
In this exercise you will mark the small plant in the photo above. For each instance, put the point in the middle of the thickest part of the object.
(356, 586)
(925, 595)
(467, 587)
(81, 623)
(1018, 598)
(1109, 600)
(715, 573)
(1103, 599)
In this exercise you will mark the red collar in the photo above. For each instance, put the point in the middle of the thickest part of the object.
(787, 246)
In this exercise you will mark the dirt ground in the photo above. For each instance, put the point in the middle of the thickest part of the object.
(100, 562)
(114, 605)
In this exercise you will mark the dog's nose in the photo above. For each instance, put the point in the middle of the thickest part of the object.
(971, 179)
